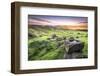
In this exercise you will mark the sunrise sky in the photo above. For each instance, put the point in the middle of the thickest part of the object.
(45, 20)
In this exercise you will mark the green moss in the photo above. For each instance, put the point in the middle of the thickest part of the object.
(42, 48)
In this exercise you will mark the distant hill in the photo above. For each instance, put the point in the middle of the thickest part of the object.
(83, 27)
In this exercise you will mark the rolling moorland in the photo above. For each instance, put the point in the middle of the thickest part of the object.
(47, 42)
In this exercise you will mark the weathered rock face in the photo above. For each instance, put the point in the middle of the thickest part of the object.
(76, 48)
(73, 49)
(73, 55)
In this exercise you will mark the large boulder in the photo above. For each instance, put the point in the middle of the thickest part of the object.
(73, 48)
(76, 48)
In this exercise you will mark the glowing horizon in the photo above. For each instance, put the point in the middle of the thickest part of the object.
(56, 20)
